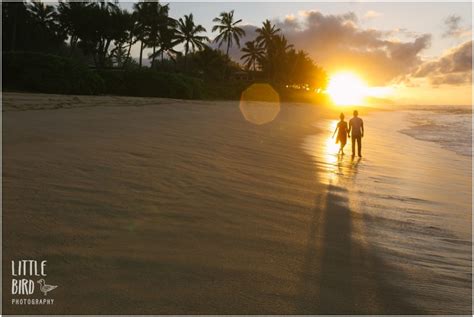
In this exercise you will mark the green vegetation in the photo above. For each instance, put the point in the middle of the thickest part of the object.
(150, 83)
(85, 48)
(229, 32)
(47, 73)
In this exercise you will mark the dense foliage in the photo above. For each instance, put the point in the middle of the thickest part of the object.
(149, 83)
(101, 35)
(47, 73)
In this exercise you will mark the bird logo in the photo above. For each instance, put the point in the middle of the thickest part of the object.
(45, 288)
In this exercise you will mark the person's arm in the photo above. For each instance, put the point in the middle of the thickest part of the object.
(362, 127)
(350, 128)
(337, 127)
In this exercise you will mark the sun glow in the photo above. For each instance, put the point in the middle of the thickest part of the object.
(347, 89)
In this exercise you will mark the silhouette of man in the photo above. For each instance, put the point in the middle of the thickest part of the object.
(356, 126)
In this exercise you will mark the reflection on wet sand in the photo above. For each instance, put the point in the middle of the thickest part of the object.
(349, 281)
(333, 168)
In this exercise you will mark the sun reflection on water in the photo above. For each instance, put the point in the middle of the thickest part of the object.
(332, 158)
(333, 168)
(331, 147)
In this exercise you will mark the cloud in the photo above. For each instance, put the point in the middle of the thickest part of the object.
(372, 14)
(337, 42)
(453, 28)
(290, 21)
(405, 32)
(453, 68)
(290, 17)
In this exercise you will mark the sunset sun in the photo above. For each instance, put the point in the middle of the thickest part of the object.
(237, 157)
(346, 89)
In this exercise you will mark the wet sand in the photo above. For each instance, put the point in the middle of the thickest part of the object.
(159, 206)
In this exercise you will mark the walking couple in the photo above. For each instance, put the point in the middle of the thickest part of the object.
(356, 126)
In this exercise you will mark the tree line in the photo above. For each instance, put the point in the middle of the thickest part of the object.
(103, 34)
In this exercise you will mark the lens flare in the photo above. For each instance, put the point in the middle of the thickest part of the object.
(259, 104)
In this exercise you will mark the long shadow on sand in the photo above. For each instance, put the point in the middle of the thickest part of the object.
(336, 289)
(340, 275)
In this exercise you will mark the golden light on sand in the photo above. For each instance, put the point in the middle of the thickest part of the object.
(331, 146)
(332, 159)
(260, 103)
(346, 89)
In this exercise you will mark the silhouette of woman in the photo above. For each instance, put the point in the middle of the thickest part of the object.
(342, 132)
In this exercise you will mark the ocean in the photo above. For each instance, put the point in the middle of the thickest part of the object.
(450, 127)
(410, 200)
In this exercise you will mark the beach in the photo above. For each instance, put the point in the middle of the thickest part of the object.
(166, 206)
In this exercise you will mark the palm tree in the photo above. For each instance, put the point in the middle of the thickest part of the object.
(254, 54)
(94, 26)
(71, 15)
(280, 45)
(107, 25)
(154, 12)
(43, 14)
(266, 33)
(277, 57)
(46, 19)
(228, 30)
(158, 21)
(187, 33)
(167, 41)
(123, 26)
(140, 16)
(132, 31)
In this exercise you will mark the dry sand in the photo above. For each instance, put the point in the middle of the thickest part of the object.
(163, 206)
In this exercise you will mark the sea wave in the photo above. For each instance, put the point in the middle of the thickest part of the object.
(449, 127)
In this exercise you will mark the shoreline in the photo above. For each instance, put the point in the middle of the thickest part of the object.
(62, 101)
(211, 213)
(397, 205)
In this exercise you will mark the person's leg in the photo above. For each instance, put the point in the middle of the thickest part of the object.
(359, 145)
(353, 145)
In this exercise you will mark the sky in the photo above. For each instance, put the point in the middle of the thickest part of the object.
(420, 51)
